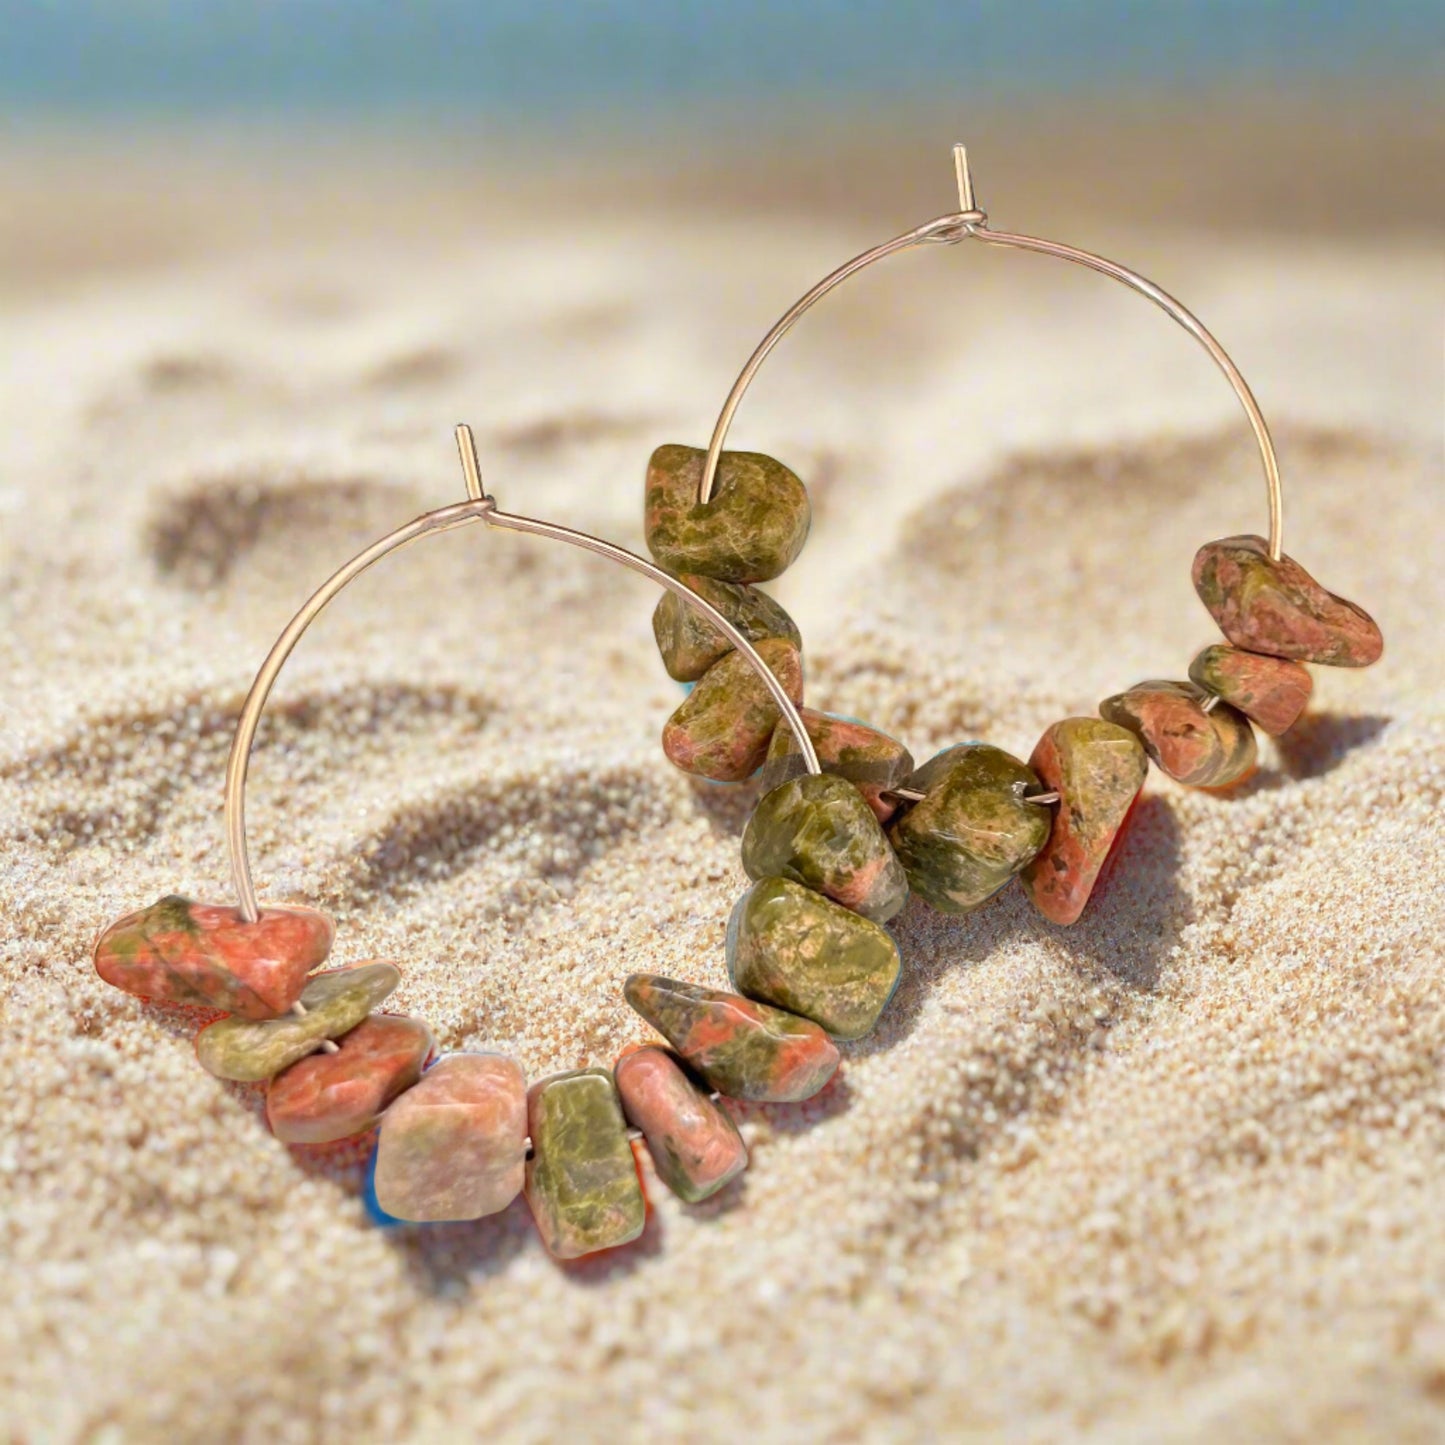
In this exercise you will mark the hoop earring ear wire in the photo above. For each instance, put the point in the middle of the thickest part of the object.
(969, 221)
(479, 507)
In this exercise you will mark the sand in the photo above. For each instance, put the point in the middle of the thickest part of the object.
(1170, 1175)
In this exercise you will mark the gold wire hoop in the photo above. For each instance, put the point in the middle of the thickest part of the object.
(970, 221)
(479, 507)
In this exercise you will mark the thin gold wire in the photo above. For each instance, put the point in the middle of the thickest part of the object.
(479, 507)
(969, 221)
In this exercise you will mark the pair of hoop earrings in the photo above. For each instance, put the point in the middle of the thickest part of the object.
(845, 828)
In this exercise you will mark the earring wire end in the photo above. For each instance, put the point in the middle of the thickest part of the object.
(471, 468)
(965, 179)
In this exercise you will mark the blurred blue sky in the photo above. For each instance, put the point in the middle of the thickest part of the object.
(538, 58)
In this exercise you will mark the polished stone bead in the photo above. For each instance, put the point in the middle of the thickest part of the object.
(690, 643)
(582, 1182)
(1204, 749)
(454, 1146)
(695, 1146)
(1277, 608)
(1097, 768)
(973, 830)
(751, 530)
(872, 761)
(206, 956)
(722, 728)
(743, 1049)
(325, 1097)
(1271, 691)
(818, 831)
(252, 1050)
(793, 948)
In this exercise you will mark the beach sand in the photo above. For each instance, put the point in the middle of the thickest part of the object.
(1170, 1175)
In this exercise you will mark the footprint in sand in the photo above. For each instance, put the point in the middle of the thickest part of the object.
(549, 827)
(128, 774)
(420, 366)
(264, 538)
(1054, 542)
(199, 537)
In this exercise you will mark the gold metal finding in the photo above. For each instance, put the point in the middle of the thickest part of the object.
(912, 795)
(471, 468)
(326, 1046)
(477, 508)
(965, 178)
(970, 221)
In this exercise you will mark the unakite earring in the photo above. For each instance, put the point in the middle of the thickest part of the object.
(459, 1136)
(973, 818)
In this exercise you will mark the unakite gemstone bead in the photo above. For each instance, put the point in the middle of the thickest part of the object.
(797, 950)
(973, 830)
(872, 761)
(722, 728)
(582, 1182)
(454, 1146)
(206, 955)
(751, 530)
(690, 643)
(743, 1049)
(325, 1097)
(252, 1050)
(695, 1146)
(1097, 769)
(1277, 608)
(1204, 749)
(1271, 691)
(818, 831)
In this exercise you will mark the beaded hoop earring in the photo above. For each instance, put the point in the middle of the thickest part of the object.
(461, 1135)
(973, 817)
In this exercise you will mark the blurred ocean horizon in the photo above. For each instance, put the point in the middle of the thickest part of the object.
(618, 58)
(139, 130)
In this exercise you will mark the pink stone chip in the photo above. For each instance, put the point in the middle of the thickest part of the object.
(1277, 608)
(871, 760)
(1271, 691)
(1097, 768)
(455, 1145)
(1203, 747)
(722, 727)
(205, 955)
(327, 1097)
(695, 1146)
